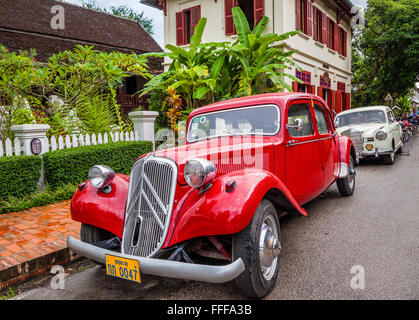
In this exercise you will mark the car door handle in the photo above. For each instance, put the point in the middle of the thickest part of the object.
(292, 141)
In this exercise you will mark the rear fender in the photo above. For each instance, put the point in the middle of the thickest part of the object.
(105, 211)
(218, 212)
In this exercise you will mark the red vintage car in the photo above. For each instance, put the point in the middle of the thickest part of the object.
(209, 210)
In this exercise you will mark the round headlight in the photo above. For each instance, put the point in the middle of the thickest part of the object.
(381, 135)
(199, 172)
(101, 176)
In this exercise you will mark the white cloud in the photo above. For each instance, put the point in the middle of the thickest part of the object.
(149, 12)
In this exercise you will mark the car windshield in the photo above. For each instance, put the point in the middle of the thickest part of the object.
(256, 120)
(368, 116)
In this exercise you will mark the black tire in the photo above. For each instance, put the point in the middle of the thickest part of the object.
(400, 150)
(390, 158)
(92, 234)
(346, 186)
(253, 282)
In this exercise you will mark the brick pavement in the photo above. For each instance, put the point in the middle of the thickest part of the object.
(33, 239)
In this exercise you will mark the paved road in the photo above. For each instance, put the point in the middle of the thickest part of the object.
(377, 228)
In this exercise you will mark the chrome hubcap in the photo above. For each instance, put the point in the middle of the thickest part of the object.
(269, 247)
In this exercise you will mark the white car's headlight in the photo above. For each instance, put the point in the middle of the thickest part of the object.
(381, 135)
(199, 172)
(101, 176)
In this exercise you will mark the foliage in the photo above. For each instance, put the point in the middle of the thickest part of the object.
(75, 90)
(71, 166)
(19, 175)
(385, 53)
(124, 12)
(214, 71)
(404, 103)
(14, 204)
(15, 69)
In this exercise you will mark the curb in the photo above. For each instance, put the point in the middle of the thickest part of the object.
(28, 269)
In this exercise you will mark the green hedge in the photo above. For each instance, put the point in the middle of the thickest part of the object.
(19, 175)
(13, 204)
(71, 166)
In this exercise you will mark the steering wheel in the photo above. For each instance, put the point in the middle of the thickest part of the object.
(374, 120)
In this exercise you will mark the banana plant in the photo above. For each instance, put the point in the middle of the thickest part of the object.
(260, 60)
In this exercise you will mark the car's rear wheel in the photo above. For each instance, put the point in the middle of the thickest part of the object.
(346, 186)
(259, 246)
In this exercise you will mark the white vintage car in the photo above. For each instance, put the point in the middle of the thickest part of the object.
(373, 130)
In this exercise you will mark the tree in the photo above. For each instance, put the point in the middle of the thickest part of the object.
(124, 12)
(385, 54)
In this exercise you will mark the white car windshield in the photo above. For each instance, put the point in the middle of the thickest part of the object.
(368, 116)
(256, 120)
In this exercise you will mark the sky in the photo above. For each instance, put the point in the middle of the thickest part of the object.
(156, 14)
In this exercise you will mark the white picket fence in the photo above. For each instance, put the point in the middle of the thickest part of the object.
(15, 148)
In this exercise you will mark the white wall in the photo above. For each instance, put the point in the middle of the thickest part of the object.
(281, 13)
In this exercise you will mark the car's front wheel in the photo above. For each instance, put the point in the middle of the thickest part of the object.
(259, 246)
(389, 158)
(346, 186)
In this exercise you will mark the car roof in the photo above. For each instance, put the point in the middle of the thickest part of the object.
(279, 98)
(383, 108)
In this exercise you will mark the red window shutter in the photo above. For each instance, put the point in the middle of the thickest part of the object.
(345, 43)
(315, 35)
(309, 15)
(180, 29)
(325, 29)
(332, 103)
(338, 101)
(195, 16)
(337, 38)
(298, 14)
(229, 22)
(294, 86)
(348, 101)
(259, 6)
(320, 91)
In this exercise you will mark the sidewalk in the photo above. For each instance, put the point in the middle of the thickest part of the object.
(33, 240)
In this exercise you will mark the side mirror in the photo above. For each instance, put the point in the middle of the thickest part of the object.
(298, 124)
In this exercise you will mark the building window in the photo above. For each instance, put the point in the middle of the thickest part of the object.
(186, 21)
(325, 84)
(254, 11)
(304, 16)
(304, 76)
(331, 43)
(342, 42)
(318, 25)
(341, 86)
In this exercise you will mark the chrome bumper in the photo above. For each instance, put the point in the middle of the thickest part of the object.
(164, 268)
(373, 153)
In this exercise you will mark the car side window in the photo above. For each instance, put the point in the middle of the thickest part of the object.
(390, 117)
(321, 119)
(301, 111)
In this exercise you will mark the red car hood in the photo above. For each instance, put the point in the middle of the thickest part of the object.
(227, 153)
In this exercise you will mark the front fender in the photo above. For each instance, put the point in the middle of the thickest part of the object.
(217, 212)
(106, 211)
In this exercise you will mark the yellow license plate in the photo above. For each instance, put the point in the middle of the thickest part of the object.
(123, 268)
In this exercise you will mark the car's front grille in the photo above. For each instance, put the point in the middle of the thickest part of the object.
(356, 137)
(149, 205)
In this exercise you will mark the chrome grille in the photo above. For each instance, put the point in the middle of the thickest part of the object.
(356, 137)
(149, 205)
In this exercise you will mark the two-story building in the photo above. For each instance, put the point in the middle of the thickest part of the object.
(324, 45)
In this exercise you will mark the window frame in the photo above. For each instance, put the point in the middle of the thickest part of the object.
(326, 117)
(232, 109)
(310, 112)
